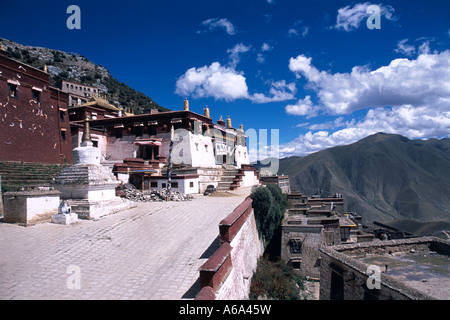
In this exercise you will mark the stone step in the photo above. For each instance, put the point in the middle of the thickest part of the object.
(230, 173)
(223, 189)
(230, 178)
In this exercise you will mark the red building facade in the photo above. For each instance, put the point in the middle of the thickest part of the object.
(34, 122)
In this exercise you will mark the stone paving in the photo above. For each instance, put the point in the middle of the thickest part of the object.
(151, 252)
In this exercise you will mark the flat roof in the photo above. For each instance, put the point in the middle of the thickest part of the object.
(167, 115)
(417, 267)
(427, 271)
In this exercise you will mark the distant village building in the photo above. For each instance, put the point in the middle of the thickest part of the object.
(34, 121)
(281, 181)
(310, 224)
(78, 94)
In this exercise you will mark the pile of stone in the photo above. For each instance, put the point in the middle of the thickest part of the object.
(130, 192)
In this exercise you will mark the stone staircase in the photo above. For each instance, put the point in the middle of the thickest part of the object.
(16, 175)
(227, 180)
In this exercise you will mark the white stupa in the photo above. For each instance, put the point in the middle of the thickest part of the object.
(89, 187)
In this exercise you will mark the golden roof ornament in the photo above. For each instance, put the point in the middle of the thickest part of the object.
(206, 112)
(229, 126)
(87, 132)
(186, 104)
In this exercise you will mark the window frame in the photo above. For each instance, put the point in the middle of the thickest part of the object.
(16, 90)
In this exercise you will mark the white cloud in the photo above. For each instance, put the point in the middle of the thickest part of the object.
(235, 53)
(260, 58)
(303, 107)
(414, 123)
(224, 82)
(336, 123)
(404, 48)
(224, 23)
(266, 47)
(215, 81)
(410, 97)
(305, 31)
(292, 32)
(350, 18)
(417, 82)
(296, 31)
(279, 91)
(302, 65)
(424, 48)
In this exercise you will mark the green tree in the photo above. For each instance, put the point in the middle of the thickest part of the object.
(268, 205)
(278, 196)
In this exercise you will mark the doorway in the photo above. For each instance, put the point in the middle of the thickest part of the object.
(337, 286)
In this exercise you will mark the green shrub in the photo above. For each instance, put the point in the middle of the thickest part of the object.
(268, 205)
(278, 196)
(275, 280)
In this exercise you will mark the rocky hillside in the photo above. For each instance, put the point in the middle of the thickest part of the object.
(77, 68)
(383, 177)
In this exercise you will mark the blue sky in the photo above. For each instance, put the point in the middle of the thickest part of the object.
(311, 69)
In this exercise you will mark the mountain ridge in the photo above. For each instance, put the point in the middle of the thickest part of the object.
(383, 177)
(77, 68)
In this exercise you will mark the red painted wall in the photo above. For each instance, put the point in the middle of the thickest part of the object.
(31, 131)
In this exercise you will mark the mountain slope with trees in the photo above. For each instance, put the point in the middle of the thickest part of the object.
(77, 68)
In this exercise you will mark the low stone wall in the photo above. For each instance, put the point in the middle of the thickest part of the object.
(226, 275)
(30, 207)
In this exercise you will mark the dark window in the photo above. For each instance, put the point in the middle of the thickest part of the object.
(191, 184)
(138, 131)
(13, 91)
(119, 133)
(345, 233)
(163, 185)
(63, 135)
(95, 143)
(174, 184)
(154, 184)
(36, 96)
(296, 264)
(152, 130)
(296, 246)
(62, 115)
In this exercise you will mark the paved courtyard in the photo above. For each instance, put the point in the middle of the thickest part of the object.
(152, 252)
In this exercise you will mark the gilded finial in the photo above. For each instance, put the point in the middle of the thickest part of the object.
(206, 112)
(186, 104)
(87, 132)
(229, 126)
(45, 68)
